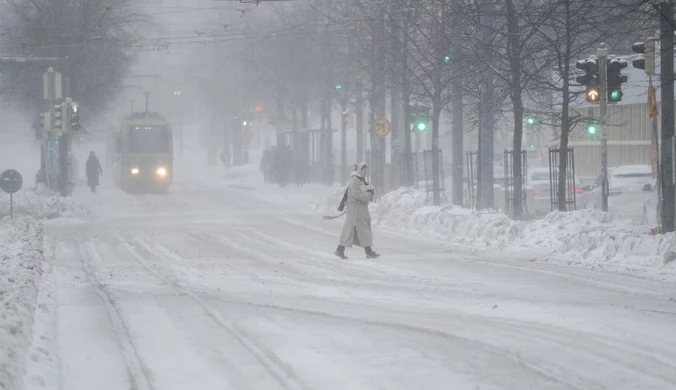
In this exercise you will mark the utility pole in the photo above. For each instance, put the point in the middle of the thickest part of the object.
(602, 55)
(667, 89)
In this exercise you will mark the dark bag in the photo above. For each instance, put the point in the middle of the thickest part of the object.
(341, 207)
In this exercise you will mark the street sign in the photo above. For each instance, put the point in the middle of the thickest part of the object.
(383, 127)
(11, 181)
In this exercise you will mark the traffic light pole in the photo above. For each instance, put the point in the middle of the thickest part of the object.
(602, 54)
(667, 89)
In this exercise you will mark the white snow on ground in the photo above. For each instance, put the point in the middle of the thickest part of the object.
(584, 237)
(41, 203)
(20, 272)
(227, 283)
(21, 267)
(193, 171)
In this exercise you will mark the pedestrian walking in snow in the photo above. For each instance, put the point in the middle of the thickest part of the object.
(357, 227)
(93, 170)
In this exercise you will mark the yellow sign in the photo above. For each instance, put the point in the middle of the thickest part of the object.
(383, 127)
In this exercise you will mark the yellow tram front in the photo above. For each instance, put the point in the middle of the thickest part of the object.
(146, 162)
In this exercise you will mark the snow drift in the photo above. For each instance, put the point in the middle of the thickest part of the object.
(584, 237)
(20, 273)
(41, 203)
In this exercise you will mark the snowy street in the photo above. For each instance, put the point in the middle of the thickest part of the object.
(224, 289)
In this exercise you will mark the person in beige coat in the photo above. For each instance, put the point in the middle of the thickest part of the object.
(357, 227)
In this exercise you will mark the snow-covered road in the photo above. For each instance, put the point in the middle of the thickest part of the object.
(221, 289)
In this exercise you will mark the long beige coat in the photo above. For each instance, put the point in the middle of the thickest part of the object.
(357, 227)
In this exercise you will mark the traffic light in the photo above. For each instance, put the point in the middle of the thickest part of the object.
(421, 123)
(616, 79)
(530, 121)
(590, 79)
(447, 58)
(419, 118)
(259, 108)
(74, 119)
(647, 61)
(58, 116)
(591, 128)
(339, 86)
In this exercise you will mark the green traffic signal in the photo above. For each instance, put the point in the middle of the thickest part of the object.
(339, 86)
(447, 58)
(615, 95)
(591, 128)
(530, 120)
(421, 126)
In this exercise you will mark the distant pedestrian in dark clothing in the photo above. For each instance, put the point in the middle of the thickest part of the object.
(94, 170)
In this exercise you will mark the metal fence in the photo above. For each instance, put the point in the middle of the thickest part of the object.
(472, 179)
(509, 181)
(434, 179)
(408, 170)
(571, 189)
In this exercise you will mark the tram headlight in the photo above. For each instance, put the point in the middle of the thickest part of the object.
(161, 171)
(134, 171)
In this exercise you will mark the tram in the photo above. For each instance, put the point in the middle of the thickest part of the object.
(144, 153)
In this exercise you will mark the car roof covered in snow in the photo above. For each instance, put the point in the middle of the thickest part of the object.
(622, 169)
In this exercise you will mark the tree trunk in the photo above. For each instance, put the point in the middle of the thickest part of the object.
(343, 135)
(565, 115)
(360, 121)
(514, 54)
(487, 104)
(436, 177)
(406, 101)
(457, 131)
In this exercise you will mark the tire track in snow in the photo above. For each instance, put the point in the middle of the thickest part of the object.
(139, 379)
(267, 358)
(276, 244)
(538, 369)
(487, 348)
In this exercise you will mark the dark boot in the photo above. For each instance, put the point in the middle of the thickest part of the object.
(340, 252)
(370, 254)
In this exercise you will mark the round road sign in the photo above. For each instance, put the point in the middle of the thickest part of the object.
(11, 181)
(383, 127)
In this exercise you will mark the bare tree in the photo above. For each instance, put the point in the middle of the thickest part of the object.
(92, 39)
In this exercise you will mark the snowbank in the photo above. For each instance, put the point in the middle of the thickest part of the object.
(405, 210)
(41, 203)
(594, 238)
(20, 272)
(585, 237)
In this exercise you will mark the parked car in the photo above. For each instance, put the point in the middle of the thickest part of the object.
(627, 190)
(539, 181)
